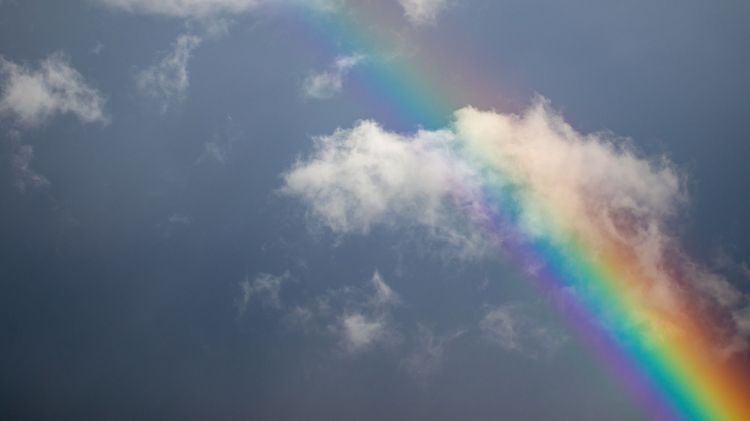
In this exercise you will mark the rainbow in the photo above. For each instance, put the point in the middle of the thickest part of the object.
(676, 376)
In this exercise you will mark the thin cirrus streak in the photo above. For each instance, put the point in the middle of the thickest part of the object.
(661, 337)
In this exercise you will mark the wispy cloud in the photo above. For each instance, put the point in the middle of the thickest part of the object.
(219, 148)
(513, 328)
(184, 8)
(366, 322)
(31, 96)
(329, 83)
(358, 317)
(422, 12)
(25, 178)
(205, 9)
(168, 79)
(428, 351)
(265, 287)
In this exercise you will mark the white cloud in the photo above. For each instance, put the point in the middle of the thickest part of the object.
(264, 287)
(384, 295)
(32, 96)
(512, 327)
(366, 321)
(366, 176)
(360, 332)
(423, 11)
(168, 79)
(184, 8)
(206, 9)
(329, 83)
(359, 318)
(565, 185)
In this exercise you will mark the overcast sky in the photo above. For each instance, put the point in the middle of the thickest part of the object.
(224, 209)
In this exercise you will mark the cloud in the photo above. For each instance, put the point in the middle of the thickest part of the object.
(513, 328)
(179, 219)
(428, 353)
(168, 79)
(219, 148)
(32, 96)
(367, 176)
(264, 287)
(555, 183)
(422, 12)
(366, 321)
(184, 8)
(329, 83)
(360, 331)
(205, 9)
(359, 318)
(97, 48)
(24, 177)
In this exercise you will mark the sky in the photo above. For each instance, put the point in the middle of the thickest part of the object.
(374, 209)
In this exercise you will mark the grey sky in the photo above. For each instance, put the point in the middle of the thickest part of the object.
(152, 265)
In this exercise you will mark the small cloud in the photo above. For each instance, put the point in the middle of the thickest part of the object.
(421, 12)
(97, 48)
(206, 9)
(360, 332)
(219, 148)
(329, 83)
(32, 96)
(384, 296)
(513, 328)
(177, 219)
(427, 355)
(213, 151)
(24, 177)
(264, 287)
(197, 9)
(168, 79)
(358, 317)
(367, 320)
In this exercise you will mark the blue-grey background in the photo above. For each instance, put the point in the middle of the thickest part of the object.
(119, 280)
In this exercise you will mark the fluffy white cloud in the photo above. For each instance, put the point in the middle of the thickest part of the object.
(329, 83)
(566, 185)
(513, 328)
(31, 96)
(168, 79)
(423, 11)
(366, 176)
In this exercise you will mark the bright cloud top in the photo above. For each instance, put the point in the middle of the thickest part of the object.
(31, 96)
(584, 212)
